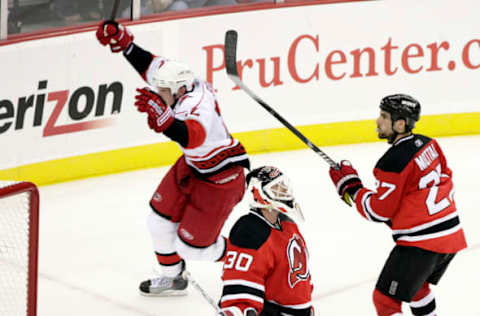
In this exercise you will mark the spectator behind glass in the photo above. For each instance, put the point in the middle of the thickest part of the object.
(70, 12)
(46, 14)
(157, 6)
(148, 7)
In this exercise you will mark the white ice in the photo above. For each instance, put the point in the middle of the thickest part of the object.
(95, 248)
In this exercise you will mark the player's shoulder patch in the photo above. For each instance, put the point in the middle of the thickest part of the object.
(250, 232)
(399, 155)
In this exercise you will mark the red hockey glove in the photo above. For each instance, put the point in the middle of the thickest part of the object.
(346, 181)
(115, 35)
(160, 115)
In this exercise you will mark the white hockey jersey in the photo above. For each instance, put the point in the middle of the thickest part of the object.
(219, 149)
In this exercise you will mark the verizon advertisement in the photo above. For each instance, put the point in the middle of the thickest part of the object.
(68, 96)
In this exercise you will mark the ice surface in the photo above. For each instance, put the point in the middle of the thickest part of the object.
(95, 248)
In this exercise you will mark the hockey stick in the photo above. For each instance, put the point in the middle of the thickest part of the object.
(188, 276)
(113, 15)
(232, 71)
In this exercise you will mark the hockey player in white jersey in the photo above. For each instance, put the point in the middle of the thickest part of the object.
(195, 197)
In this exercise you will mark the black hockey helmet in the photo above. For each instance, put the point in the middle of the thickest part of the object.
(402, 106)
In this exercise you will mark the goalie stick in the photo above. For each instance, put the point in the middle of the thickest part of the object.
(232, 71)
(196, 285)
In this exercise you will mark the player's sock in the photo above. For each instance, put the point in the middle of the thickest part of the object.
(423, 303)
(386, 306)
(169, 262)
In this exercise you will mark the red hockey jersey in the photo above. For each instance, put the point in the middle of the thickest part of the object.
(266, 268)
(415, 196)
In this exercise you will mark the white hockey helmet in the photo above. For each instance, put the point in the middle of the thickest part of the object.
(270, 189)
(174, 75)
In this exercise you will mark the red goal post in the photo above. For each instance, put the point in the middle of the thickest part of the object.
(19, 207)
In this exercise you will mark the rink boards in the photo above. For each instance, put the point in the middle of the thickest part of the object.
(66, 111)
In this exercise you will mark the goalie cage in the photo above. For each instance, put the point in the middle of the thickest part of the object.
(19, 205)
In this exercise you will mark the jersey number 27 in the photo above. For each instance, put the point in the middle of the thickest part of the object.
(433, 206)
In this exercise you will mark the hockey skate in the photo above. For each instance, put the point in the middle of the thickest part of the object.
(165, 286)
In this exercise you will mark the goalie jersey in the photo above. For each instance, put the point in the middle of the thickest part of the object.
(266, 268)
(415, 196)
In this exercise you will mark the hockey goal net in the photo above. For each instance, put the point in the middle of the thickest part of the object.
(19, 204)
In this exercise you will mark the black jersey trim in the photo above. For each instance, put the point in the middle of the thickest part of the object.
(178, 132)
(448, 224)
(401, 153)
(270, 308)
(249, 232)
(278, 225)
(242, 289)
(139, 58)
(370, 214)
(245, 163)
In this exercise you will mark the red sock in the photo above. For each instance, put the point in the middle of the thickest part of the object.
(423, 303)
(386, 306)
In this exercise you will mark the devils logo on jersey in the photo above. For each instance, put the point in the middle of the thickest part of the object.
(298, 261)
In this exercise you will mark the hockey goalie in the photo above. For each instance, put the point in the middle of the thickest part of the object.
(266, 269)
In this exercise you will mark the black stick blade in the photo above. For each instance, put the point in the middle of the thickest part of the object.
(231, 52)
(113, 15)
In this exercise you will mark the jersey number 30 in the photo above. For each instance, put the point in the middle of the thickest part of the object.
(238, 261)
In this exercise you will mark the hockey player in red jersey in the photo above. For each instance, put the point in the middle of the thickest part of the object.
(266, 269)
(195, 197)
(414, 196)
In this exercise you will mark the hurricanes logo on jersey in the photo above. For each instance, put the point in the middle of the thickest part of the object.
(297, 259)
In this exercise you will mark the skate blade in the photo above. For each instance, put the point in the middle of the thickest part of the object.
(166, 293)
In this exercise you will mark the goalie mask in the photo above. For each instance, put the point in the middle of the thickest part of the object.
(270, 189)
(174, 75)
